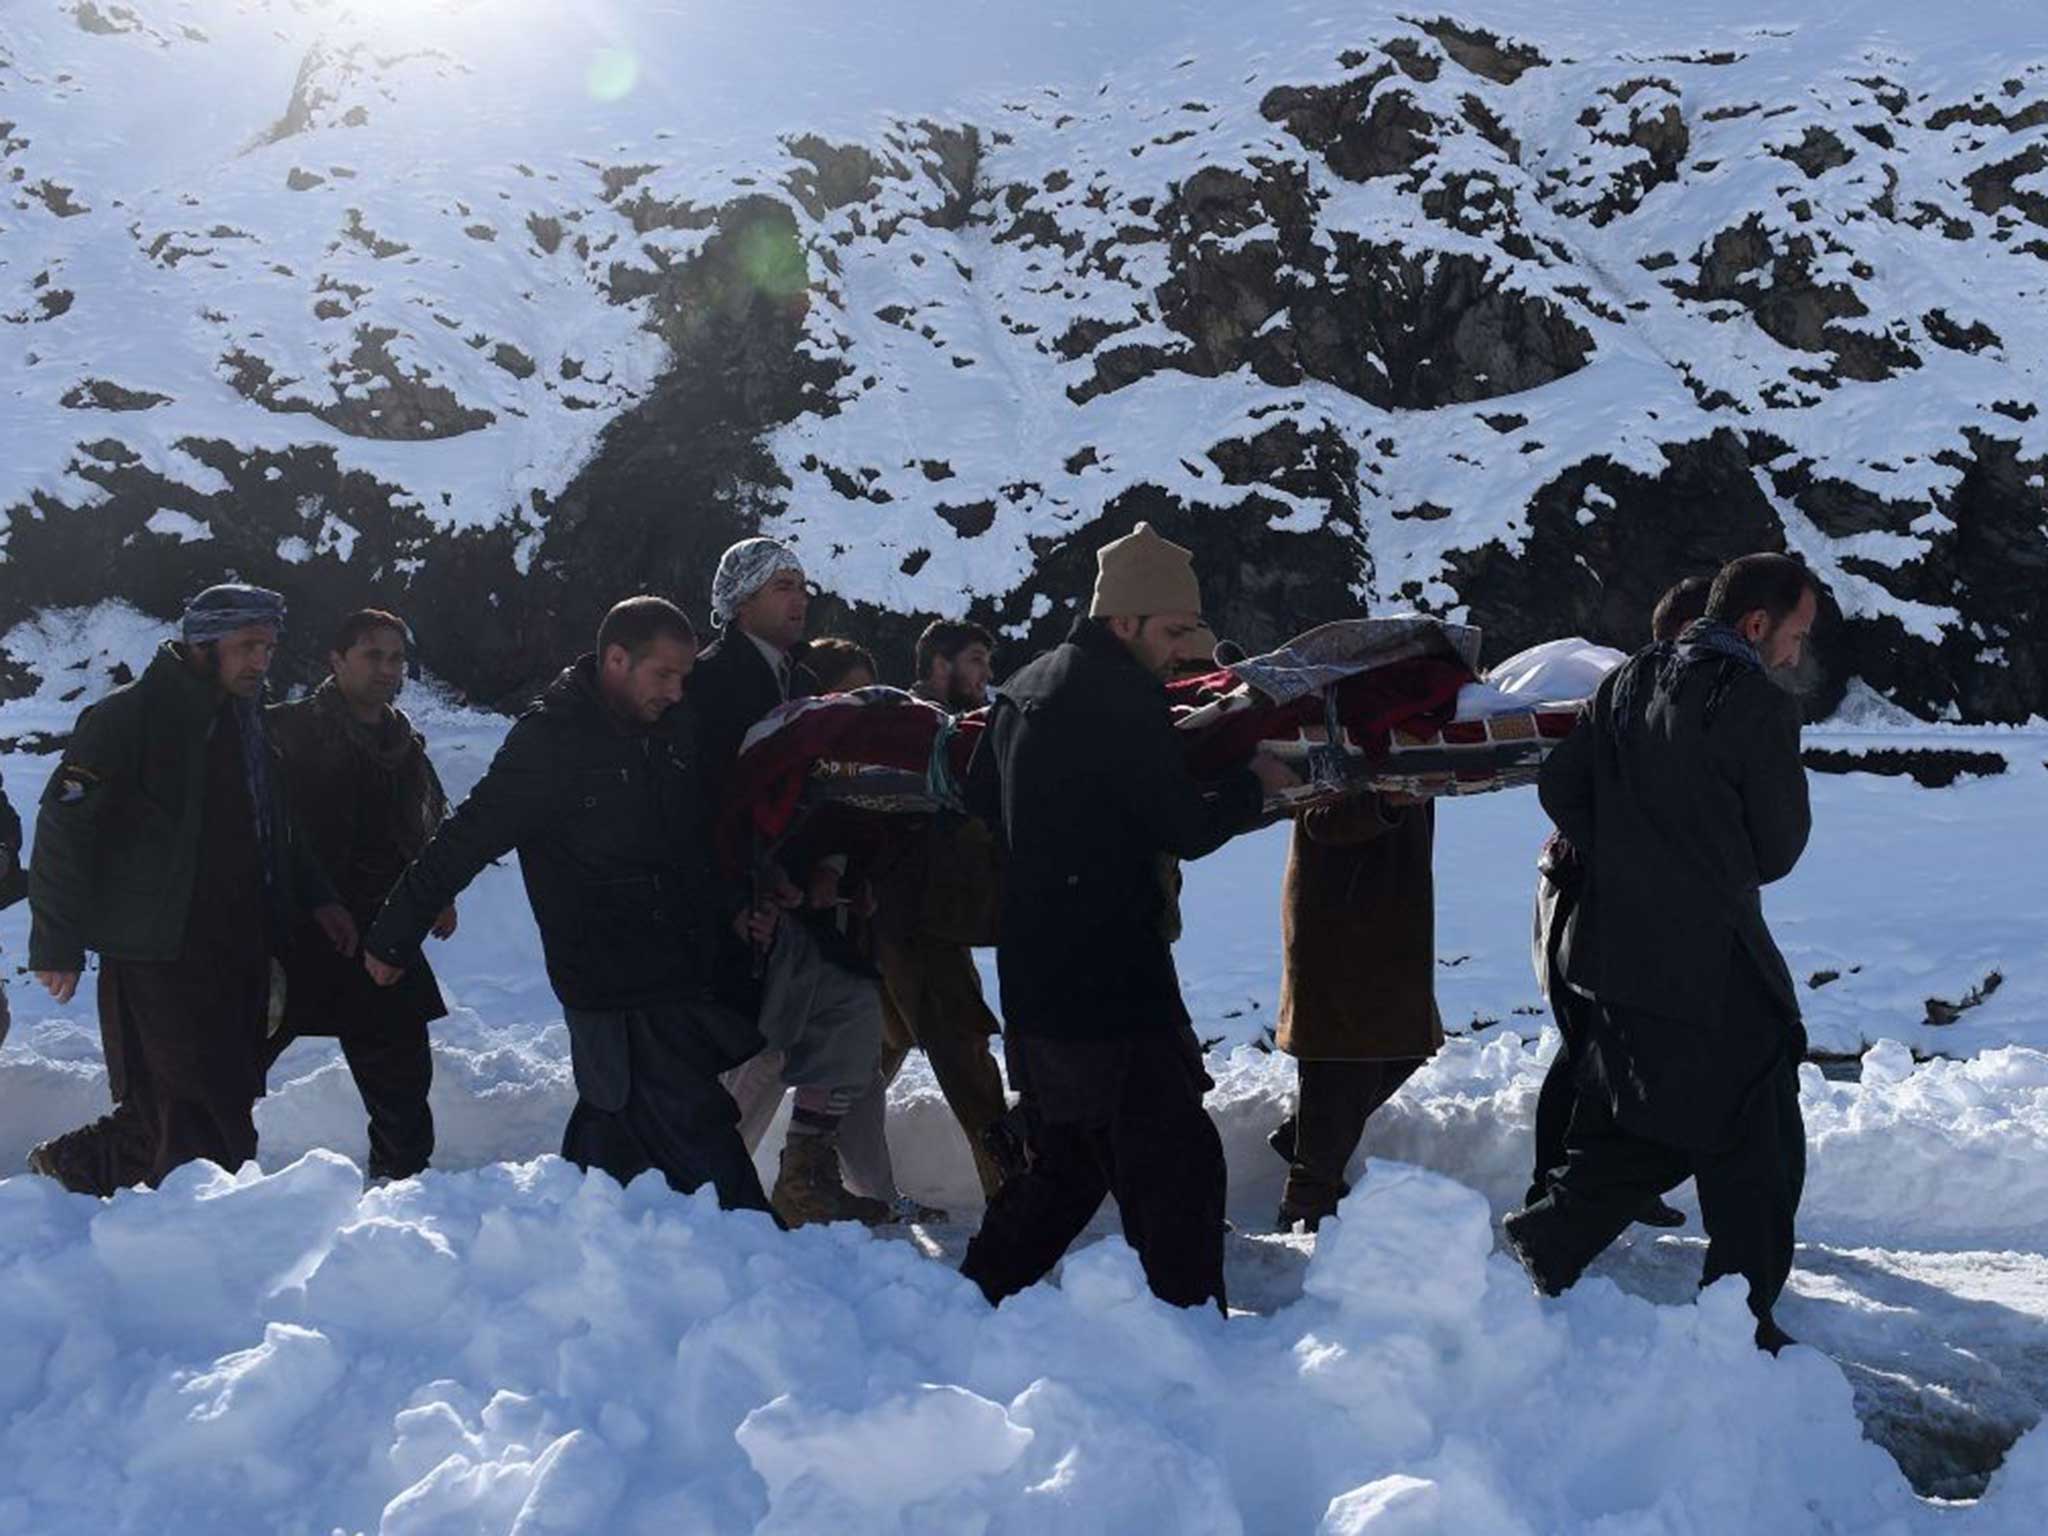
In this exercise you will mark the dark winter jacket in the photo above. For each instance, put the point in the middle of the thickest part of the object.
(117, 835)
(1358, 934)
(367, 800)
(731, 688)
(1082, 774)
(1681, 818)
(13, 878)
(613, 836)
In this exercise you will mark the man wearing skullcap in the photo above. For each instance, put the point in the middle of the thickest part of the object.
(1080, 772)
(165, 843)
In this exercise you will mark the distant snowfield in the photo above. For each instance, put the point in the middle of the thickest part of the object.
(506, 1346)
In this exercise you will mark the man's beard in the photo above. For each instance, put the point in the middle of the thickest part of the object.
(1802, 679)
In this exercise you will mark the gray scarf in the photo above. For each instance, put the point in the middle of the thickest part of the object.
(1704, 643)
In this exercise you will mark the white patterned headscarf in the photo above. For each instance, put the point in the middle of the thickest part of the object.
(744, 570)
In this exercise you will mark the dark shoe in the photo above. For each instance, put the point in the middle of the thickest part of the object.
(808, 1187)
(1306, 1200)
(1281, 1139)
(1520, 1242)
(1660, 1213)
(1770, 1337)
(1308, 1217)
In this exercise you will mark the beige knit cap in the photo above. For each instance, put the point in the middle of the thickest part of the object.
(1142, 574)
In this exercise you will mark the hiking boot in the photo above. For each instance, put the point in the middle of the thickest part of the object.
(1305, 1201)
(1770, 1337)
(1658, 1212)
(808, 1187)
(1520, 1240)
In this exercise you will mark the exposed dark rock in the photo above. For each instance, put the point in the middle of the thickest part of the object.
(969, 521)
(954, 156)
(1943, 331)
(1940, 1011)
(1817, 153)
(1414, 330)
(1483, 53)
(1360, 129)
(512, 360)
(1986, 114)
(372, 396)
(1994, 188)
(1645, 117)
(1929, 767)
(836, 175)
(1601, 578)
(1318, 465)
(111, 22)
(104, 395)
(1775, 283)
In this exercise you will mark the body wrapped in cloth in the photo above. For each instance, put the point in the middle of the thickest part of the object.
(1382, 704)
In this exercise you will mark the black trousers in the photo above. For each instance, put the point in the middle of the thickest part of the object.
(1558, 1096)
(1337, 1098)
(1749, 1188)
(393, 1067)
(183, 1046)
(1118, 1117)
(648, 1096)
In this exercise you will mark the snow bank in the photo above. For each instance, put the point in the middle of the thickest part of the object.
(1943, 1155)
(523, 1349)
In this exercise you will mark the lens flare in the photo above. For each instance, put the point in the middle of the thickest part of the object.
(772, 261)
(612, 74)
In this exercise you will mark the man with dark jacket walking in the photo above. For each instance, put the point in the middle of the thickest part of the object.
(600, 789)
(1081, 772)
(819, 1003)
(165, 842)
(368, 800)
(1560, 873)
(1683, 792)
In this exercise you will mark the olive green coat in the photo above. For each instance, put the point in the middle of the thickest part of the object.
(117, 834)
(1358, 926)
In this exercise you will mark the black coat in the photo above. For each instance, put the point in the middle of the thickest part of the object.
(13, 878)
(1082, 773)
(367, 799)
(730, 690)
(1680, 821)
(612, 830)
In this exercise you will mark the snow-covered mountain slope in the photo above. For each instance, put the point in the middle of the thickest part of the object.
(494, 310)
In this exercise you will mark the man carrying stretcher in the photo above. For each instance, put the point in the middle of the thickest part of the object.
(1081, 773)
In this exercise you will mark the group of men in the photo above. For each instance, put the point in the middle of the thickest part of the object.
(249, 876)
